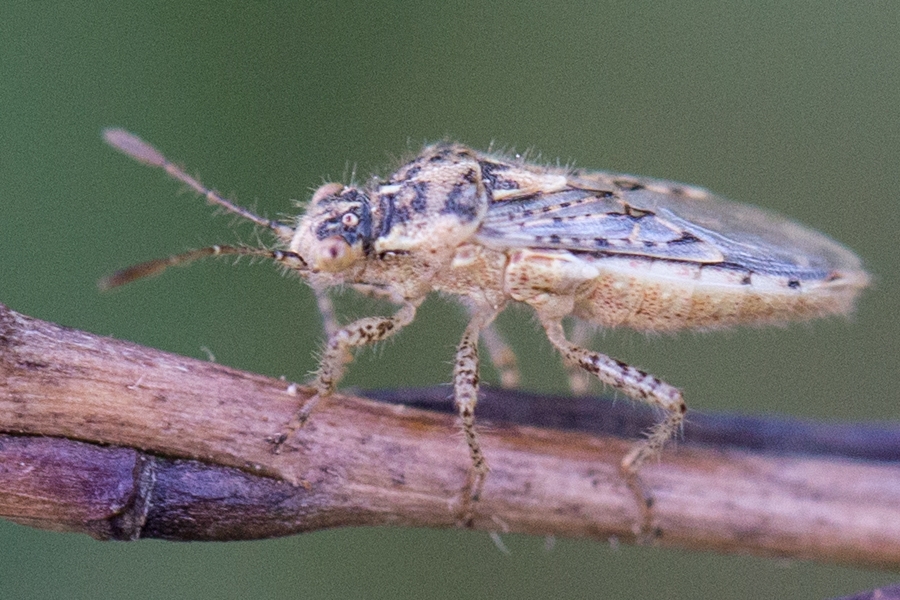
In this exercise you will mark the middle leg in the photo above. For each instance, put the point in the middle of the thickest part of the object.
(465, 394)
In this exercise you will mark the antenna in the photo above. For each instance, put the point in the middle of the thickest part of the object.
(150, 268)
(133, 146)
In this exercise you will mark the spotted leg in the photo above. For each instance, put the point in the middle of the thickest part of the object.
(638, 385)
(337, 354)
(465, 393)
(501, 355)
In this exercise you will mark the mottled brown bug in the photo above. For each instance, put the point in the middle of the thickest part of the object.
(609, 249)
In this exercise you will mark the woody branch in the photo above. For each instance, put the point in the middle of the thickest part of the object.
(123, 442)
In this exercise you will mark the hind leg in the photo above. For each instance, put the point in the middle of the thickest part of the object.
(636, 384)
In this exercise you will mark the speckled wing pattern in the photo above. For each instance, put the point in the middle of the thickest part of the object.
(606, 213)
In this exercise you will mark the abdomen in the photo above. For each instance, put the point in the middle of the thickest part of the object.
(659, 295)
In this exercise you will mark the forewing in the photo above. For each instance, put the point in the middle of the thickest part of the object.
(620, 214)
(591, 221)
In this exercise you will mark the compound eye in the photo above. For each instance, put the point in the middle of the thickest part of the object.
(349, 220)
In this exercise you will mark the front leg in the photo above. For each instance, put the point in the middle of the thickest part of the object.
(337, 354)
(500, 353)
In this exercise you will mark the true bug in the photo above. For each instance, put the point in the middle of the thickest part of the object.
(612, 250)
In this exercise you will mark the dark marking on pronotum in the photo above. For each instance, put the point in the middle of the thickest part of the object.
(401, 214)
(386, 207)
(419, 202)
(410, 173)
(392, 213)
(461, 201)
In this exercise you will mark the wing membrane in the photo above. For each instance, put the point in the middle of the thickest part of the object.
(608, 213)
(591, 221)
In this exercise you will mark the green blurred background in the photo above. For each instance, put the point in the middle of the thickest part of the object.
(793, 106)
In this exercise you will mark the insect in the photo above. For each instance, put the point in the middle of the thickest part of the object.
(608, 249)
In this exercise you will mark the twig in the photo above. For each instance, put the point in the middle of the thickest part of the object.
(121, 441)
